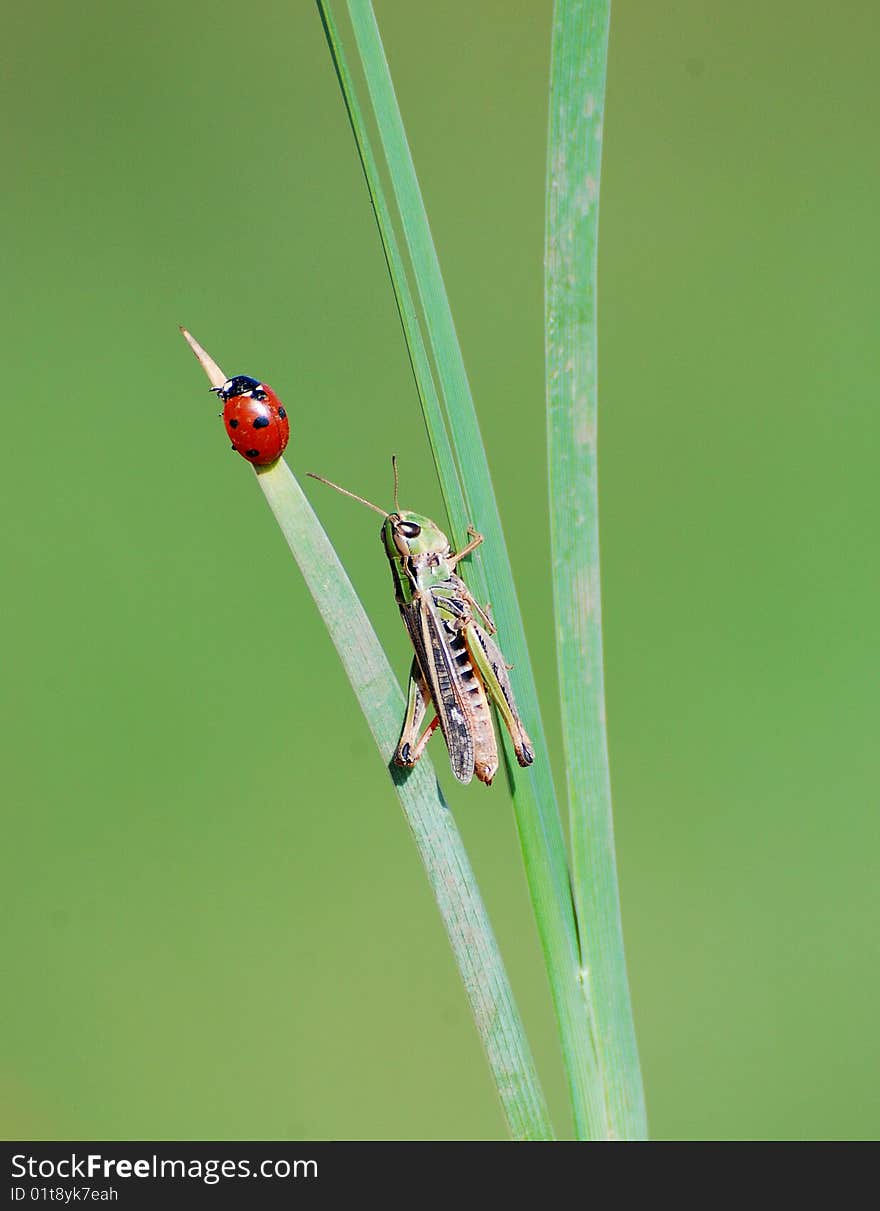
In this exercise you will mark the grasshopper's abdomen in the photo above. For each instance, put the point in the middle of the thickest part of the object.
(472, 694)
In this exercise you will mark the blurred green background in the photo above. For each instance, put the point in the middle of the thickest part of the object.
(215, 921)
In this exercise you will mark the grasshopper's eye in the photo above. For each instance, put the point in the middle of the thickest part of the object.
(409, 529)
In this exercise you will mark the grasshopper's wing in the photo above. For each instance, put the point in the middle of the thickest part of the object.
(431, 646)
(489, 663)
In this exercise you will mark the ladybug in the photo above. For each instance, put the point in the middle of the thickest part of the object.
(255, 419)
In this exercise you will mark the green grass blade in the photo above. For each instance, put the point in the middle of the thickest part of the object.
(537, 813)
(432, 824)
(406, 308)
(577, 96)
(429, 818)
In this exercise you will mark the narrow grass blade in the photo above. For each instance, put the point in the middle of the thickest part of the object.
(577, 97)
(419, 360)
(433, 827)
(473, 500)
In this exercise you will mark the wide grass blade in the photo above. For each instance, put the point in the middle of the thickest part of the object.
(430, 820)
(450, 416)
(577, 96)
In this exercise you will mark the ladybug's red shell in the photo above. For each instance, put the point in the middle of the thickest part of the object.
(258, 427)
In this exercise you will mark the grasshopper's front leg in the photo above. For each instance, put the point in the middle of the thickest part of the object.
(489, 663)
(411, 746)
(476, 539)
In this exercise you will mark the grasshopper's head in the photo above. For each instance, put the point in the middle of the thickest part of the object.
(406, 535)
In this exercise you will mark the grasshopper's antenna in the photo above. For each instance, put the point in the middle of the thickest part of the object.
(394, 465)
(345, 492)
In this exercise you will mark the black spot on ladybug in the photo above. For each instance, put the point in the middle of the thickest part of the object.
(282, 414)
(261, 422)
(233, 424)
(251, 453)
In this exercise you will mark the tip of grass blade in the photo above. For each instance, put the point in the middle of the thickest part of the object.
(215, 374)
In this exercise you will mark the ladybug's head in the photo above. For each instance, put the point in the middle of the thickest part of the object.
(240, 385)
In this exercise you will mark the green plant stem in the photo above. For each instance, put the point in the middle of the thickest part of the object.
(432, 825)
(470, 498)
(577, 96)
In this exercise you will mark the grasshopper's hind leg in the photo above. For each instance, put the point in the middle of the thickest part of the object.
(411, 746)
(489, 663)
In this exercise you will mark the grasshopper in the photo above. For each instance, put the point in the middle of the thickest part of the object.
(457, 668)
